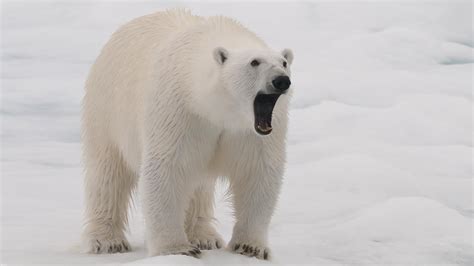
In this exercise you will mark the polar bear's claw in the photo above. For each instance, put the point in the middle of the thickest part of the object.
(184, 249)
(108, 246)
(208, 244)
(193, 252)
(252, 251)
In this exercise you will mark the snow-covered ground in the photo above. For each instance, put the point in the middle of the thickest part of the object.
(380, 165)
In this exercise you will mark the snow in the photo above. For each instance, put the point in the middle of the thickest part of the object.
(380, 166)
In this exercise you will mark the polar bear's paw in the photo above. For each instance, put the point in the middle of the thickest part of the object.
(207, 242)
(191, 251)
(98, 246)
(204, 236)
(251, 250)
(187, 250)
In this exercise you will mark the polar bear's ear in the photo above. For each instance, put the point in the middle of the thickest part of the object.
(288, 55)
(220, 55)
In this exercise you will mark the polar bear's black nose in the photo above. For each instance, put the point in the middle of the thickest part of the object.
(281, 83)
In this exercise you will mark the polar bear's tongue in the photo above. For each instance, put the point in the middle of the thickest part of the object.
(263, 109)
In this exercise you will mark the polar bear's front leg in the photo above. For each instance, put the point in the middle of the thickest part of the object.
(254, 195)
(108, 185)
(164, 199)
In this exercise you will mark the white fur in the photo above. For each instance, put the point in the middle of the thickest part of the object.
(163, 111)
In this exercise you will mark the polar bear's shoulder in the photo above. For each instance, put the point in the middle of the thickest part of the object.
(172, 18)
(161, 24)
(232, 33)
(176, 17)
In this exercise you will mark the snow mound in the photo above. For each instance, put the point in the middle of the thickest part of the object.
(408, 230)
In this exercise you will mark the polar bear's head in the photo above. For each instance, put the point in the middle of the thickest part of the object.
(248, 84)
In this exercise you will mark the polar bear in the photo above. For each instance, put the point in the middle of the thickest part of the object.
(173, 102)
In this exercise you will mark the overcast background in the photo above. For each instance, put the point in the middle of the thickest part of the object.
(379, 148)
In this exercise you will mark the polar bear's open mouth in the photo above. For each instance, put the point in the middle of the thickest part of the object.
(263, 108)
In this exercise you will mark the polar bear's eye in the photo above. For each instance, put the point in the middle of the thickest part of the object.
(284, 64)
(254, 63)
